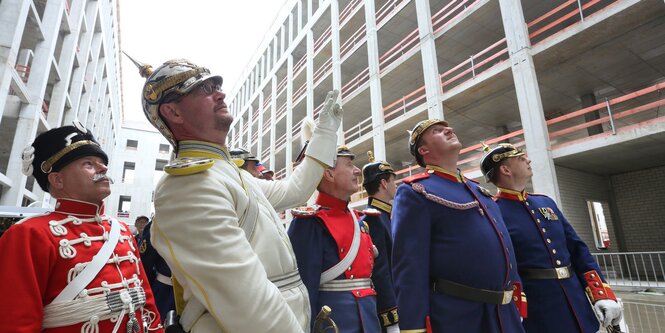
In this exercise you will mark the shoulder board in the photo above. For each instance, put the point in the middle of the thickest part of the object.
(485, 191)
(183, 166)
(371, 212)
(472, 180)
(305, 211)
(416, 177)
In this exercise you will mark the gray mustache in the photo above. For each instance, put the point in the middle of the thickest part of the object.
(100, 177)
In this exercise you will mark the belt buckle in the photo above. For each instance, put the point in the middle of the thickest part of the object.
(507, 297)
(562, 273)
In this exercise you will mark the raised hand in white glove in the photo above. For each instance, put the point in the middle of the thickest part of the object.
(392, 329)
(331, 114)
(323, 144)
(608, 311)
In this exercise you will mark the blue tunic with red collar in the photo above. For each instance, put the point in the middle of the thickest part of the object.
(446, 227)
(156, 266)
(319, 242)
(379, 229)
(544, 239)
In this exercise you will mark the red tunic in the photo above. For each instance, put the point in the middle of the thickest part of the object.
(39, 257)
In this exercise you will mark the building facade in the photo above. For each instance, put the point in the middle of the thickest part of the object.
(578, 84)
(139, 160)
(60, 63)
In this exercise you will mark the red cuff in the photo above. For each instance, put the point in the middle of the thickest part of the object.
(596, 289)
(520, 299)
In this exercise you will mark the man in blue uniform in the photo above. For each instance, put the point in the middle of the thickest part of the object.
(554, 263)
(334, 251)
(453, 262)
(379, 182)
(158, 274)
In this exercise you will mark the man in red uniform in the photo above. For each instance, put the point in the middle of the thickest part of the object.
(74, 269)
(335, 252)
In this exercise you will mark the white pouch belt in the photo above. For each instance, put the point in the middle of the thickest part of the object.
(346, 285)
(339, 268)
(164, 279)
(83, 309)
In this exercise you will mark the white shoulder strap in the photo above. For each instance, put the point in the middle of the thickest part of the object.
(335, 271)
(247, 221)
(94, 266)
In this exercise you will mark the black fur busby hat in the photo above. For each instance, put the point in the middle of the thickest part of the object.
(54, 149)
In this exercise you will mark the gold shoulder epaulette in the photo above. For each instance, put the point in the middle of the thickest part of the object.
(183, 166)
(304, 211)
(371, 212)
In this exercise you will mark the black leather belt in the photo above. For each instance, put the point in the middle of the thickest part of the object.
(471, 293)
(558, 273)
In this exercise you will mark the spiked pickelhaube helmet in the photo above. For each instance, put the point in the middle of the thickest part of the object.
(494, 156)
(373, 169)
(175, 77)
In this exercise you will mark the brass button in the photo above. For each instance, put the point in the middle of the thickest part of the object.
(544, 230)
(549, 241)
(515, 298)
(341, 250)
(601, 293)
(558, 262)
(532, 212)
(511, 266)
(538, 220)
(553, 251)
(593, 276)
(349, 269)
(526, 203)
(351, 277)
(595, 284)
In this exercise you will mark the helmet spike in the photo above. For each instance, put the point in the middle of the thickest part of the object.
(486, 148)
(144, 69)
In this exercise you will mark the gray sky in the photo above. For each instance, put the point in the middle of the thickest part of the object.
(222, 35)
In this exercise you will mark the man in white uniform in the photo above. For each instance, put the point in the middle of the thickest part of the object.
(216, 225)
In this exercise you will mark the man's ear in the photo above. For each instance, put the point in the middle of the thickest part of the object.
(384, 183)
(55, 180)
(423, 150)
(171, 113)
(504, 169)
(328, 175)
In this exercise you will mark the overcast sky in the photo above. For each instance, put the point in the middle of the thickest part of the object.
(222, 35)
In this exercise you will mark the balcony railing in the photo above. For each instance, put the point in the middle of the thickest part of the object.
(640, 270)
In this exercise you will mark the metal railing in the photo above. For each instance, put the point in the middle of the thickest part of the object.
(643, 317)
(639, 270)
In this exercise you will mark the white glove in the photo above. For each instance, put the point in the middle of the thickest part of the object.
(392, 329)
(323, 144)
(608, 311)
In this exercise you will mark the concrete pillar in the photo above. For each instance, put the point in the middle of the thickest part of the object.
(65, 66)
(240, 142)
(282, 40)
(273, 119)
(259, 146)
(291, 33)
(528, 97)
(250, 119)
(376, 100)
(89, 82)
(289, 116)
(299, 16)
(336, 59)
(430, 64)
(309, 72)
(80, 73)
(13, 14)
(586, 101)
(29, 115)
